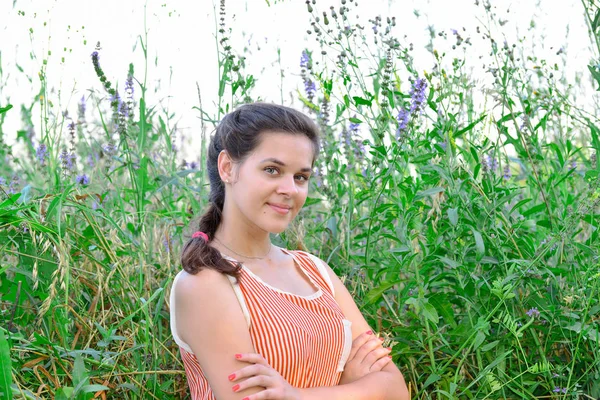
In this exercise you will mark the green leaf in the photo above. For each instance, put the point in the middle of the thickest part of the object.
(6, 370)
(534, 209)
(5, 109)
(432, 378)
(470, 126)
(479, 244)
(430, 313)
(355, 120)
(596, 21)
(490, 346)
(429, 192)
(479, 338)
(361, 101)
(374, 294)
(453, 215)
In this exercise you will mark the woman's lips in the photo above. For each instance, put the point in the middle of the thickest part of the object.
(279, 210)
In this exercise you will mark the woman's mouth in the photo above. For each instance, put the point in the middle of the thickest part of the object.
(280, 210)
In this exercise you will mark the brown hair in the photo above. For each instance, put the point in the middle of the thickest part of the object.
(239, 133)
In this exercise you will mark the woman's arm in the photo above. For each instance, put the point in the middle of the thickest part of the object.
(210, 320)
(387, 384)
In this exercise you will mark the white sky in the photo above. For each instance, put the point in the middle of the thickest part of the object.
(182, 49)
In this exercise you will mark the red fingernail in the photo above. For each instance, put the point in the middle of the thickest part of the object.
(246, 398)
(389, 357)
(369, 332)
(236, 387)
(389, 348)
(238, 356)
(382, 339)
(231, 377)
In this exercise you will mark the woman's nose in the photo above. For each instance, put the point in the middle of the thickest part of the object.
(287, 185)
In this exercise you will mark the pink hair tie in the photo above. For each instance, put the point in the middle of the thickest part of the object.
(200, 234)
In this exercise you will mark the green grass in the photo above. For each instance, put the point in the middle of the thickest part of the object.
(469, 237)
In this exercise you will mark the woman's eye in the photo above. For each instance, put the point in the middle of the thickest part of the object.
(267, 169)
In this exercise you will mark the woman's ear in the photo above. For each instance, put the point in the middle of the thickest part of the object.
(225, 164)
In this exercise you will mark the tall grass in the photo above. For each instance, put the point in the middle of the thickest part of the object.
(466, 228)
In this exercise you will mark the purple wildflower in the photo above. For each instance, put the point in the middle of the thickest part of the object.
(304, 60)
(129, 86)
(318, 177)
(507, 173)
(403, 118)
(110, 149)
(417, 94)
(492, 163)
(92, 160)
(82, 179)
(310, 88)
(81, 110)
(41, 153)
(573, 165)
(67, 159)
(533, 312)
(2, 181)
(95, 59)
(166, 243)
(444, 145)
(193, 165)
(558, 389)
(13, 184)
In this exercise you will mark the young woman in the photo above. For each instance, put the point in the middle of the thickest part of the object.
(256, 321)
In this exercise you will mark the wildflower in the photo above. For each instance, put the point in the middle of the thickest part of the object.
(507, 173)
(2, 181)
(304, 60)
(558, 389)
(41, 153)
(310, 88)
(417, 94)
(193, 165)
(110, 149)
(573, 165)
(318, 177)
(485, 167)
(67, 159)
(533, 312)
(129, 86)
(81, 110)
(493, 163)
(92, 159)
(95, 60)
(166, 243)
(82, 180)
(403, 118)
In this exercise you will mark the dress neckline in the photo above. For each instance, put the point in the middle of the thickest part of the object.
(318, 293)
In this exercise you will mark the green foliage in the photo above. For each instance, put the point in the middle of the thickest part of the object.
(468, 235)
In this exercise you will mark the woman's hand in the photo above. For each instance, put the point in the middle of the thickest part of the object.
(263, 375)
(367, 355)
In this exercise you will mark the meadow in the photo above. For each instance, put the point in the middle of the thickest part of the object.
(462, 217)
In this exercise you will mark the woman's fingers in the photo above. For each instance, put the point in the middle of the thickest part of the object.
(366, 348)
(377, 354)
(359, 342)
(259, 380)
(379, 364)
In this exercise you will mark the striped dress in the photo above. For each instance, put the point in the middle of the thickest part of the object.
(304, 338)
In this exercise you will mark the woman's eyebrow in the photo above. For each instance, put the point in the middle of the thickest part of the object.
(279, 162)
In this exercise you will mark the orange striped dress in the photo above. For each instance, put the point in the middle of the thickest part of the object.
(305, 338)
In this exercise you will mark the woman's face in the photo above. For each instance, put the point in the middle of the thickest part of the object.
(275, 174)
